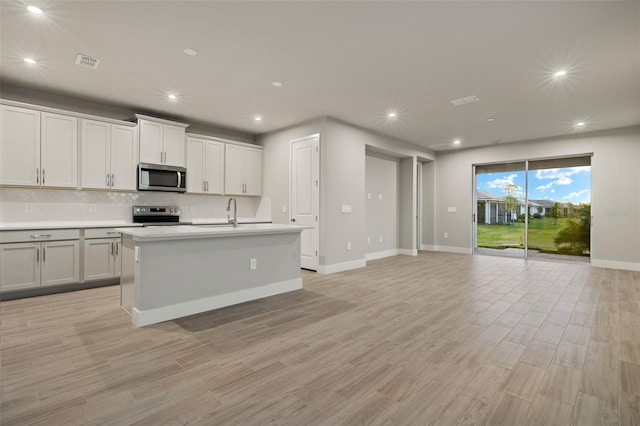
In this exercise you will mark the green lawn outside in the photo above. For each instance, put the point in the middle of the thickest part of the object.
(541, 234)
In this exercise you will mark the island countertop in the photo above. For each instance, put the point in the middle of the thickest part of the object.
(181, 232)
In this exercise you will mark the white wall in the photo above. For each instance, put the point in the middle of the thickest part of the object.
(342, 181)
(615, 170)
(381, 206)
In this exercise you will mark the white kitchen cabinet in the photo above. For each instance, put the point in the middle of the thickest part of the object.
(243, 170)
(161, 142)
(38, 148)
(109, 158)
(205, 166)
(101, 258)
(31, 259)
(19, 146)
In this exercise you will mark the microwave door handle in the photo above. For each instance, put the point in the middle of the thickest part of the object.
(179, 179)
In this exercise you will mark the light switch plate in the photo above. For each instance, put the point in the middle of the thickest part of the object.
(380, 196)
(368, 195)
(452, 209)
(284, 208)
(346, 208)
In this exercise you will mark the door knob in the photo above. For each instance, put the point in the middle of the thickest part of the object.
(293, 219)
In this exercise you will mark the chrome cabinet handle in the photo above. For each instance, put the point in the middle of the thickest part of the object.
(113, 180)
(44, 254)
(112, 233)
(206, 183)
(38, 176)
(43, 178)
(37, 255)
(106, 180)
(111, 248)
(40, 235)
(117, 247)
(179, 179)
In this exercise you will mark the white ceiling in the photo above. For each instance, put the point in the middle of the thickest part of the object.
(351, 60)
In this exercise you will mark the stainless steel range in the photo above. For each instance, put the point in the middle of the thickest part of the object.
(157, 215)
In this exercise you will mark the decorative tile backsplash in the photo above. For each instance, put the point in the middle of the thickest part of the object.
(34, 204)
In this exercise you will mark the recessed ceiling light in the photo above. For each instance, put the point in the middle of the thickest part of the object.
(276, 84)
(392, 114)
(580, 124)
(457, 142)
(29, 60)
(191, 52)
(491, 119)
(35, 10)
(172, 97)
(257, 118)
(560, 73)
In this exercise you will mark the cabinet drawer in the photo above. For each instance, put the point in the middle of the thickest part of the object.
(92, 233)
(39, 235)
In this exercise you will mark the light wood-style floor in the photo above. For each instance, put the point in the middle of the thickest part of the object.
(435, 339)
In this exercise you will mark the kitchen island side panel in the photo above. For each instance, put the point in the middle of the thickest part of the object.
(178, 271)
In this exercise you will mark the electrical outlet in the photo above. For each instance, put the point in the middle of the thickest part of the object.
(368, 240)
(446, 235)
(28, 207)
(380, 196)
(254, 263)
(380, 238)
(284, 208)
(368, 195)
(348, 245)
(93, 208)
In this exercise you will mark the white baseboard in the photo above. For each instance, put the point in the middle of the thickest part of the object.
(381, 254)
(341, 267)
(408, 252)
(452, 249)
(614, 264)
(428, 247)
(179, 310)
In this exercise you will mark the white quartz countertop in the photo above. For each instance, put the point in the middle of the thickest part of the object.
(81, 224)
(180, 232)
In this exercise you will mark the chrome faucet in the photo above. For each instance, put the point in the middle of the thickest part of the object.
(233, 221)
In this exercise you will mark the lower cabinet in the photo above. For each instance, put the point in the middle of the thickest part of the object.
(25, 265)
(101, 258)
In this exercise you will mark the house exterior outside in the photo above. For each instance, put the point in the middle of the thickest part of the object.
(491, 208)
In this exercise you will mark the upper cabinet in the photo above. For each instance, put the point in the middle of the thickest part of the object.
(38, 148)
(243, 170)
(205, 166)
(161, 141)
(109, 156)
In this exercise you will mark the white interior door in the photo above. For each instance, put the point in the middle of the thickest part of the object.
(305, 196)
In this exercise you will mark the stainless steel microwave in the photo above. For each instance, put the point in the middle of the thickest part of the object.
(154, 177)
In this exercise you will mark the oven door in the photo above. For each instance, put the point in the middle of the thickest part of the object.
(153, 177)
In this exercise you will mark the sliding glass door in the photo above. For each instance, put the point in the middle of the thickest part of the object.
(500, 191)
(534, 208)
(559, 200)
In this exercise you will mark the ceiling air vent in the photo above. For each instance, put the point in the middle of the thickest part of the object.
(465, 100)
(87, 61)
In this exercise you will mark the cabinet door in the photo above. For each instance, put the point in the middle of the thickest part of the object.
(214, 167)
(19, 146)
(60, 263)
(59, 151)
(124, 157)
(19, 266)
(195, 165)
(95, 154)
(99, 259)
(174, 146)
(252, 171)
(150, 142)
(234, 170)
(117, 257)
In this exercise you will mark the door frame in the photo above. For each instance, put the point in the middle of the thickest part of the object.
(319, 197)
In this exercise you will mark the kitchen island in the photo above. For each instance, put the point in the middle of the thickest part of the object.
(169, 272)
